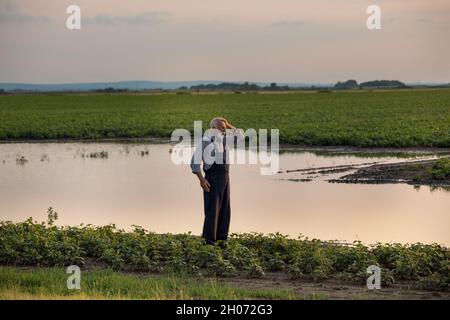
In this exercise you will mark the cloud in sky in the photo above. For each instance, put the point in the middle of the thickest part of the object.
(293, 23)
(254, 40)
(9, 12)
(423, 20)
(149, 17)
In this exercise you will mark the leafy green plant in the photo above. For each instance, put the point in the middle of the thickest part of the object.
(31, 243)
(440, 169)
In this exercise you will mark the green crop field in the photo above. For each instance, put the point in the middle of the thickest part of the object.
(44, 244)
(367, 119)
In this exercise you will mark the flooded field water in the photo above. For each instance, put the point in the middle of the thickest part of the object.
(137, 184)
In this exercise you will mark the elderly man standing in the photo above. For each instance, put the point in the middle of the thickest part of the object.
(216, 182)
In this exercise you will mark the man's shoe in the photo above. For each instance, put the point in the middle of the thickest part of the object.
(223, 244)
(208, 243)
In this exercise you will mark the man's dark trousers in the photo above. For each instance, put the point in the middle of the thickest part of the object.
(217, 204)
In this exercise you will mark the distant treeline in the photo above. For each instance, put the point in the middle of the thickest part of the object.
(234, 86)
(353, 84)
(349, 84)
(111, 89)
(240, 87)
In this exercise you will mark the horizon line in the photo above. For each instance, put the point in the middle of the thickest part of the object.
(218, 81)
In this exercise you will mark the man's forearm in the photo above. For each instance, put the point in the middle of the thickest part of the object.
(199, 176)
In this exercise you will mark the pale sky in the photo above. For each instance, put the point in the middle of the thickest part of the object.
(231, 40)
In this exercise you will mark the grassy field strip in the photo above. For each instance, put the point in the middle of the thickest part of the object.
(50, 283)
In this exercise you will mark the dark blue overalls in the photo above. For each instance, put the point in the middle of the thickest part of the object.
(217, 202)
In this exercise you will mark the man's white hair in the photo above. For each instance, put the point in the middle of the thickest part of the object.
(213, 123)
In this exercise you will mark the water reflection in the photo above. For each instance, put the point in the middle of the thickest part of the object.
(136, 183)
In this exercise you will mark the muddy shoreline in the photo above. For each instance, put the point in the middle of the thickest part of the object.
(335, 289)
(284, 147)
(411, 172)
